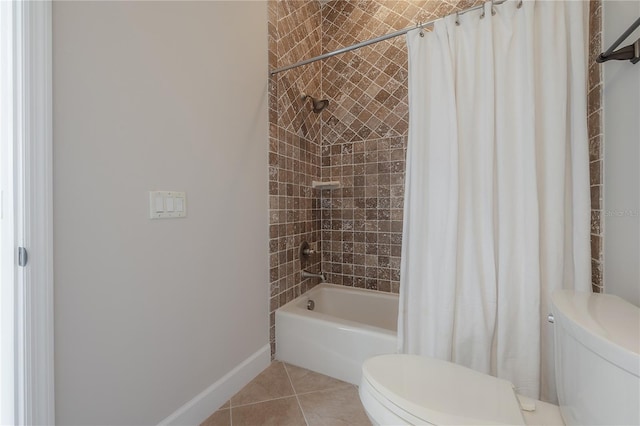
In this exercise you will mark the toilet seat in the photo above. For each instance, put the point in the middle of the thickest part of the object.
(422, 390)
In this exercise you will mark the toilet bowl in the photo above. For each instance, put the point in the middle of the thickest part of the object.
(597, 345)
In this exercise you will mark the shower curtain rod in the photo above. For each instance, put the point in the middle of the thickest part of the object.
(373, 40)
(631, 52)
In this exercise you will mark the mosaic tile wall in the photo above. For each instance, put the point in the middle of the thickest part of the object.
(294, 150)
(595, 142)
(362, 222)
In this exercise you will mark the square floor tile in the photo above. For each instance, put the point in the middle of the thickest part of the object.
(337, 407)
(304, 380)
(278, 412)
(272, 383)
(219, 418)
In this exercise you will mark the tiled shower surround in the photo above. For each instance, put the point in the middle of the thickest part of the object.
(294, 150)
(364, 136)
(359, 139)
(362, 221)
(594, 121)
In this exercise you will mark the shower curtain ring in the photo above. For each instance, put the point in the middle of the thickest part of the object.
(493, 9)
(482, 15)
(458, 18)
(519, 4)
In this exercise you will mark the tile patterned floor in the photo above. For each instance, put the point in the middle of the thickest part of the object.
(284, 395)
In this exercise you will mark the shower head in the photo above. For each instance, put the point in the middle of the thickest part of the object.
(317, 104)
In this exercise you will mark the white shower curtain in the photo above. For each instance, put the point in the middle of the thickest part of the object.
(497, 206)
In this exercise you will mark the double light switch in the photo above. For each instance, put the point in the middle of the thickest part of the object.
(167, 204)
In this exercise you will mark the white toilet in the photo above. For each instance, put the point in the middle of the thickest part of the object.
(597, 346)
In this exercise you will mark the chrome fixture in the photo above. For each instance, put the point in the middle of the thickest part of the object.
(306, 251)
(311, 305)
(307, 274)
(317, 104)
(550, 318)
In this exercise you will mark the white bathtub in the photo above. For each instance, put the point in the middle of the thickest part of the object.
(347, 326)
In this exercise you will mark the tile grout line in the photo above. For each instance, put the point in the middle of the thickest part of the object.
(306, 422)
(327, 389)
(263, 401)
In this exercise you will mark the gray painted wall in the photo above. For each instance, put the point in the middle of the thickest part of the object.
(157, 96)
(621, 93)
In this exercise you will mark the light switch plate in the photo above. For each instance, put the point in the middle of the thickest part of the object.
(167, 204)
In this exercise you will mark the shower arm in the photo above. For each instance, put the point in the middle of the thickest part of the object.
(317, 104)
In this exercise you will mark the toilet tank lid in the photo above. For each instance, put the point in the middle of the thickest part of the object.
(605, 324)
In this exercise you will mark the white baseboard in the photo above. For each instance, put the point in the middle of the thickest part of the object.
(204, 404)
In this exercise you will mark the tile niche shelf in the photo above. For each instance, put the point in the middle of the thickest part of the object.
(333, 184)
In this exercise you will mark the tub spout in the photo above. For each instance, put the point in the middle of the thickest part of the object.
(307, 274)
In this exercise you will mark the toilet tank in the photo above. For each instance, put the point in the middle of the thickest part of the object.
(597, 361)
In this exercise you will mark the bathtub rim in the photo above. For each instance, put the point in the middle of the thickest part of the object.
(297, 307)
